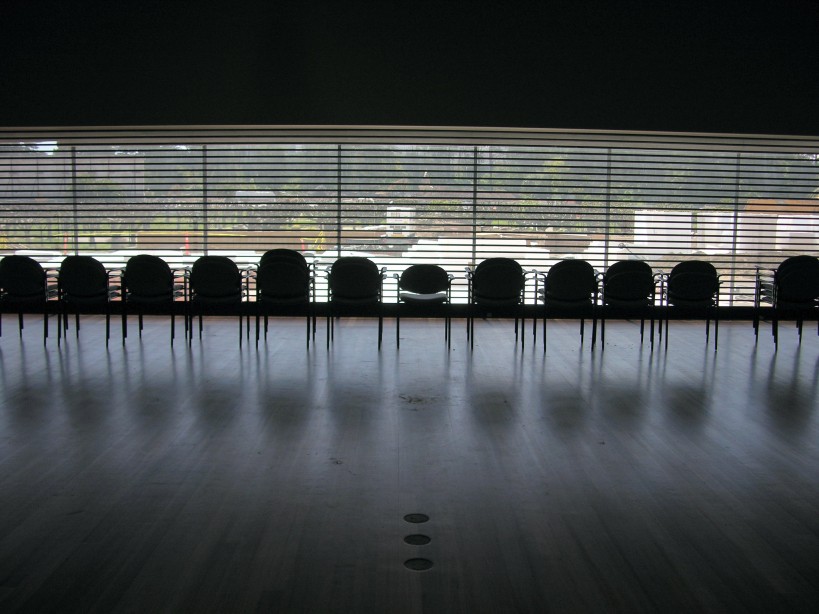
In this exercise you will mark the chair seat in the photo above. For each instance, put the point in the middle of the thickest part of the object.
(413, 297)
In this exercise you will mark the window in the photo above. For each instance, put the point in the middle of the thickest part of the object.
(452, 197)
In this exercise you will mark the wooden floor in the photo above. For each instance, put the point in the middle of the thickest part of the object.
(147, 478)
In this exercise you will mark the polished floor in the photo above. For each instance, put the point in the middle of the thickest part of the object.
(147, 478)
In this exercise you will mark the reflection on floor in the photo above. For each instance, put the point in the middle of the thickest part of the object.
(214, 478)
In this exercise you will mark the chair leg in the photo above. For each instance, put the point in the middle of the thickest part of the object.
(582, 329)
(398, 332)
(594, 329)
(258, 317)
(380, 329)
(173, 326)
(107, 326)
(20, 323)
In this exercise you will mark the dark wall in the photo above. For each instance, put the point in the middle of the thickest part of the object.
(716, 66)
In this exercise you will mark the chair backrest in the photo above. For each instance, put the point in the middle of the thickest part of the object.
(354, 278)
(83, 277)
(283, 279)
(283, 254)
(22, 277)
(797, 279)
(148, 276)
(628, 280)
(215, 277)
(570, 280)
(693, 280)
(424, 279)
(498, 279)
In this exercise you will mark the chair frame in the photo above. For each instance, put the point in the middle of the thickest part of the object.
(192, 297)
(38, 299)
(280, 256)
(713, 301)
(477, 302)
(437, 297)
(643, 305)
(593, 300)
(333, 303)
(177, 290)
(66, 300)
(767, 290)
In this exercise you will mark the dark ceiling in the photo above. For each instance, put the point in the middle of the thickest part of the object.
(717, 66)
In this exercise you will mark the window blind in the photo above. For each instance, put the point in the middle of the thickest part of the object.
(401, 196)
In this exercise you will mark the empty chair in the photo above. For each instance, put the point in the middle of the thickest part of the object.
(215, 284)
(284, 281)
(495, 285)
(149, 283)
(693, 286)
(84, 287)
(629, 287)
(24, 286)
(793, 289)
(424, 284)
(284, 254)
(570, 286)
(354, 285)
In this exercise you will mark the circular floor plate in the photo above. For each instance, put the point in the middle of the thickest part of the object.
(418, 564)
(417, 539)
(416, 518)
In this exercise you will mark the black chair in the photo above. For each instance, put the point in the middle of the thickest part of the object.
(693, 285)
(496, 284)
(354, 285)
(215, 284)
(629, 287)
(284, 280)
(24, 285)
(149, 283)
(424, 284)
(570, 286)
(84, 286)
(792, 289)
